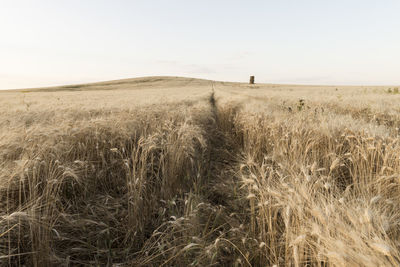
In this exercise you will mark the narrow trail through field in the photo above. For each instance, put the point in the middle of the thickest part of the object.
(223, 185)
(221, 216)
(224, 157)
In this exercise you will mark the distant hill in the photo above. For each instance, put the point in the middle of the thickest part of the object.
(133, 83)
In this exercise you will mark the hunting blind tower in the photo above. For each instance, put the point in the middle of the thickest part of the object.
(251, 79)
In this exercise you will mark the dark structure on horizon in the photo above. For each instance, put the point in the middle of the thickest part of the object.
(251, 79)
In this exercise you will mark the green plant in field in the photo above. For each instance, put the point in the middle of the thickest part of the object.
(300, 105)
(394, 91)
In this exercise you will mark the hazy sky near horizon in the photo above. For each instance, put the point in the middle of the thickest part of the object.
(47, 42)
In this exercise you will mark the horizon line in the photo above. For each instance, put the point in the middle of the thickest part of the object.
(198, 78)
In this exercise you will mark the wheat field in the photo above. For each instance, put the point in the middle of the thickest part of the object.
(170, 171)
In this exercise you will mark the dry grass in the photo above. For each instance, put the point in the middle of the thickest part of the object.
(175, 172)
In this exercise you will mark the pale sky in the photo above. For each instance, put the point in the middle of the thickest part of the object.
(55, 42)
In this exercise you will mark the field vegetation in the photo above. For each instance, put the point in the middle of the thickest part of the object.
(167, 171)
